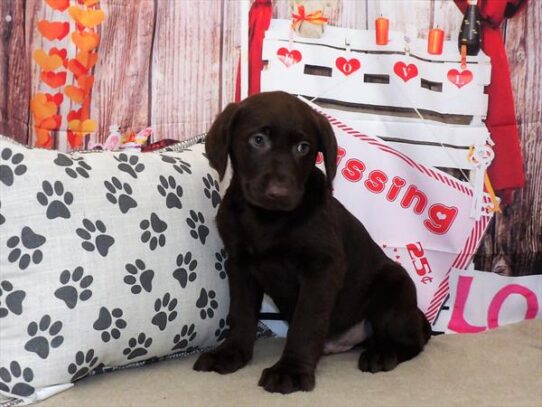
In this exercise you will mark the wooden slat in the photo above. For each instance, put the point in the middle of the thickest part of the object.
(518, 231)
(231, 42)
(14, 71)
(121, 88)
(185, 67)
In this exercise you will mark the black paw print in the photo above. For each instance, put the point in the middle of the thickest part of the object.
(73, 166)
(178, 164)
(165, 311)
(130, 165)
(222, 331)
(221, 263)
(10, 380)
(2, 218)
(119, 193)
(83, 364)
(109, 322)
(196, 222)
(153, 231)
(47, 339)
(69, 293)
(207, 303)
(137, 346)
(102, 242)
(169, 189)
(145, 277)
(30, 241)
(182, 340)
(185, 272)
(10, 301)
(58, 207)
(211, 190)
(11, 166)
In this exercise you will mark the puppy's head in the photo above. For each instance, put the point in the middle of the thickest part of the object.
(272, 139)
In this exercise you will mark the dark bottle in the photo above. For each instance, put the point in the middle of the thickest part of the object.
(471, 30)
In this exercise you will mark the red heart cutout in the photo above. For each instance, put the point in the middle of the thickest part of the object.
(404, 71)
(347, 67)
(287, 57)
(57, 98)
(460, 79)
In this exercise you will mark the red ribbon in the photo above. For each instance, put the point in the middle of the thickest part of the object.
(316, 17)
(506, 171)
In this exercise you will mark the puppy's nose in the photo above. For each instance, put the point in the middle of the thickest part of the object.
(277, 190)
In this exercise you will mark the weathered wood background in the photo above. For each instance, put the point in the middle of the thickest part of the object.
(171, 64)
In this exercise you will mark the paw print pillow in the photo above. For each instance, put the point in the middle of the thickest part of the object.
(106, 259)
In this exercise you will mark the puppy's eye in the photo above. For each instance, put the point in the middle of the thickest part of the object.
(258, 140)
(302, 148)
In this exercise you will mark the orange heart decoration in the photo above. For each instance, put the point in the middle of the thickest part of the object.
(43, 138)
(53, 30)
(57, 98)
(82, 126)
(41, 108)
(87, 18)
(86, 82)
(52, 79)
(76, 68)
(76, 94)
(62, 52)
(74, 115)
(86, 41)
(60, 5)
(46, 62)
(90, 3)
(51, 123)
(75, 140)
(88, 60)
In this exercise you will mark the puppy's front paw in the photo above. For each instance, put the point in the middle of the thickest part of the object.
(286, 378)
(222, 360)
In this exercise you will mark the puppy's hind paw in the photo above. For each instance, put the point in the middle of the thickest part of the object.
(222, 360)
(378, 360)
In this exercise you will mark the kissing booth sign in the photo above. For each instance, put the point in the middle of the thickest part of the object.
(420, 216)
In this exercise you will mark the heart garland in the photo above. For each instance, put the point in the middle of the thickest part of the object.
(347, 67)
(404, 71)
(289, 57)
(460, 79)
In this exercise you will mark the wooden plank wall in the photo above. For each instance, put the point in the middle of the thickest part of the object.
(172, 63)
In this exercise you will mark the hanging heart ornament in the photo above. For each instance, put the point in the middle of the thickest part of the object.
(404, 71)
(289, 57)
(460, 79)
(347, 67)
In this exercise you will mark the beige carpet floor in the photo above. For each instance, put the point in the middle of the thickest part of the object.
(497, 368)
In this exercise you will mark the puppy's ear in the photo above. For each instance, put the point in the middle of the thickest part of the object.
(218, 139)
(328, 147)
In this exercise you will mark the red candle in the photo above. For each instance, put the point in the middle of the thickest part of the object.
(382, 26)
(435, 41)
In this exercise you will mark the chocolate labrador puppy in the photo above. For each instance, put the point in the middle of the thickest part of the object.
(287, 236)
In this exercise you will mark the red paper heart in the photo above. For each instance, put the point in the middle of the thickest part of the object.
(404, 71)
(57, 98)
(347, 67)
(460, 79)
(287, 57)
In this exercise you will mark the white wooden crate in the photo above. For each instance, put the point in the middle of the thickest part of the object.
(432, 142)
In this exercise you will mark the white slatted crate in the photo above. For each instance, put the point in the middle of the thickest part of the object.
(376, 100)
